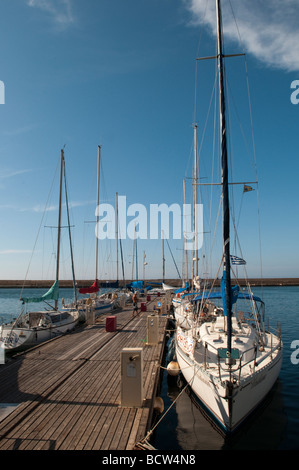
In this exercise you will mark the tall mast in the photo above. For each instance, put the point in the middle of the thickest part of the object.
(59, 221)
(185, 253)
(98, 202)
(133, 256)
(70, 235)
(225, 195)
(195, 248)
(195, 234)
(116, 236)
(163, 257)
(144, 264)
(136, 260)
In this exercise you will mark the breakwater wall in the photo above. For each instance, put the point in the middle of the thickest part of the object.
(174, 282)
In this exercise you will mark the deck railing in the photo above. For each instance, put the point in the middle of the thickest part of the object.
(239, 364)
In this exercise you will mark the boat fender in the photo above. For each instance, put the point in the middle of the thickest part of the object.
(159, 405)
(173, 368)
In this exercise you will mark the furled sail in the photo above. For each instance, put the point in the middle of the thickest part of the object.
(90, 290)
(107, 284)
(52, 294)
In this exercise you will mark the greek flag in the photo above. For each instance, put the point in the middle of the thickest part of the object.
(247, 188)
(236, 260)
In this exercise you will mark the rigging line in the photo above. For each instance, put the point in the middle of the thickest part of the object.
(231, 150)
(253, 139)
(257, 192)
(210, 289)
(188, 164)
(43, 253)
(237, 241)
(253, 162)
(253, 307)
(214, 151)
(70, 236)
(84, 254)
(41, 223)
(212, 240)
(250, 303)
(228, 101)
(173, 260)
(238, 221)
(51, 266)
(213, 94)
(215, 228)
(198, 47)
(162, 417)
(208, 113)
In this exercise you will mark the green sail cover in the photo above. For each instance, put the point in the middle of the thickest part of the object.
(52, 294)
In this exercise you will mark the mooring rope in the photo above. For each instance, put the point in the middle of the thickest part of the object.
(145, 439)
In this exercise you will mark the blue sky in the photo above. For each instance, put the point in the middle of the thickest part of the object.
(122, 75)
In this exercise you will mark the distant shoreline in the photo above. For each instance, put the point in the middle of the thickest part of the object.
(173, 282)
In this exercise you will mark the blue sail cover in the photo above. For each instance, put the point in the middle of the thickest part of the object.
(52, 294)
(244, 295)
(182, 289)
(218, 295)
(107, 284)
(135, 284)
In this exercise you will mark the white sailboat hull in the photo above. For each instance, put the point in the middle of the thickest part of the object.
(103, 307)
(167, 287)
(212, 393)
(99, 306)
(17, 338)
(183, 319)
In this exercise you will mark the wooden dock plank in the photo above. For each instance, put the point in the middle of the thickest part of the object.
(69, 389)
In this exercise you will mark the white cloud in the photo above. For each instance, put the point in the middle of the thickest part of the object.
(41, 208)
(4, 174)
(51, 208)
(59, 10)
(19, 130)
(268, 29)
(14, 252)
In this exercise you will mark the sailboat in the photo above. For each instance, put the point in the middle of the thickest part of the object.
(183, 308)
(100, 303)
(228, 356)
(31, 328)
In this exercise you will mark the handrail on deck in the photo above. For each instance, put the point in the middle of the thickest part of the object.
(240, 366)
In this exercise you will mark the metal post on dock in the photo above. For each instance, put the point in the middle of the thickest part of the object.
(161, 306)
(152, 329)
(90, 315)
(132, 377)
(168, 299)
(2, 355)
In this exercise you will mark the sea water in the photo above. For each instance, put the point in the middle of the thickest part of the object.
(183, 424)
(273, 426)
(11, 306)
